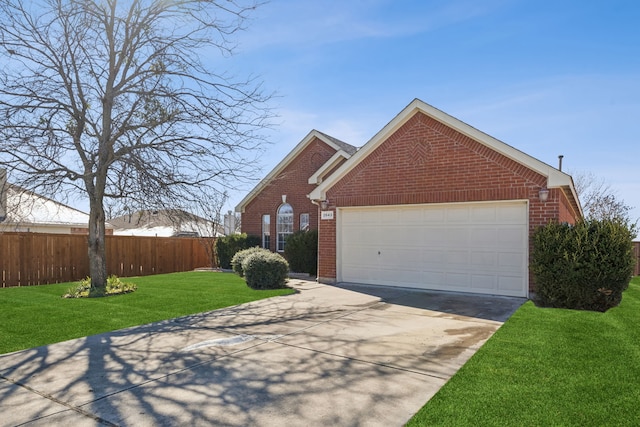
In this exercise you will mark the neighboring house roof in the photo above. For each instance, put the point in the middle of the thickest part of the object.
(343, 151)
(165, 223)
(555, 178)
(24, 207)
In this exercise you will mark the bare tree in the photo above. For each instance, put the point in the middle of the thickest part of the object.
(210, 209)
(114, 101)
(598, 199)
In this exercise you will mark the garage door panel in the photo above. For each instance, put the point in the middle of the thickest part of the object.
(486, 282)
(511, 214)
(484, 259)
(457, 257)
(475, 247)
(510, 284)
(456, 237)
(483, 214)
(484, 235)
(401, 257)
(432, 257)
(457, 214)
(457, 281)
(511, 236)
(433, 216)
(412, 217)
(361, 256)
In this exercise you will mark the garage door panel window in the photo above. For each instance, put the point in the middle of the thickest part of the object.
(284, 225)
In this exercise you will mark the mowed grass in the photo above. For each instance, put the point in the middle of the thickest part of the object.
(37, 315)
(548, 367)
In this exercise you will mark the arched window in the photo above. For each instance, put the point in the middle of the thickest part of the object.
(284, 225)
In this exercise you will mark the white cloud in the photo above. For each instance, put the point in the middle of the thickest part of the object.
(310, 24)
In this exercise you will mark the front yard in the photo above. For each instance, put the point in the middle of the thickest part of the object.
(549, 367)
(542, 367)
(37, 315)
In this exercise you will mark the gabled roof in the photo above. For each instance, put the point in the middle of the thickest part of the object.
(164, 222)
(329, 165)
(334, 143)
(26, 207)
(555, 178)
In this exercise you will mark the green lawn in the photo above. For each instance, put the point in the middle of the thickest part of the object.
(548, 367)
(37, 315)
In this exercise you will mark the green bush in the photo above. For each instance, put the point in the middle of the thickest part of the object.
(228, 246)
(265, 270)
(239, 257)
(586, 266)
(301, 251)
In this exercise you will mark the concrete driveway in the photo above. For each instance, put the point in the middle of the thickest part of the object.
(342, 356)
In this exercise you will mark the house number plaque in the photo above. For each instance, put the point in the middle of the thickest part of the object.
(326, 215)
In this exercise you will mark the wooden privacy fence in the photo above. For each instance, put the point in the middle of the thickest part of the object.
(37, 258)
(636, 253)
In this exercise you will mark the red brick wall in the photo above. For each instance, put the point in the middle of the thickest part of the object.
(292, 182)
(428, 162)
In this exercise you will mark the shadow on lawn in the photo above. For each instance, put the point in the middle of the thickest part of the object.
(220, 368)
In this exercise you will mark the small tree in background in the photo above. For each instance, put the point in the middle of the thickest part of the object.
(598, 199)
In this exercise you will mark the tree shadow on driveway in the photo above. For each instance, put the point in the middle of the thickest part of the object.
(284, 361)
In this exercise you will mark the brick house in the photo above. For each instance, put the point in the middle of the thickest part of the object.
(429, 202)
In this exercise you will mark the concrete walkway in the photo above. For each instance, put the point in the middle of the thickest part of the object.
(339, 356)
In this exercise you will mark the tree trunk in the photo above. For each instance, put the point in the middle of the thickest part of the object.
(97, 250)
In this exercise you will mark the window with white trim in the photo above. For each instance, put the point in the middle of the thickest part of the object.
(304, 222)
(284, 225)
(266, 231)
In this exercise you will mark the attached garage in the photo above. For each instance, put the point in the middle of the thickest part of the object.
(465, 247)
(433, 203)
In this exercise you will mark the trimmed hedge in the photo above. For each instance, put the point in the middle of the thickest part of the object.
(239, 257)
(301, 251)
(585, 266)
(228, 246)
(265, 270)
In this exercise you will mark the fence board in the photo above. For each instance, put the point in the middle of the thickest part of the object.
(38, 258)
(636, 253)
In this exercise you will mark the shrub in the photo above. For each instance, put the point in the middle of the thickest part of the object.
(228, 246)
(115, 286)
(239, 257)
(586, 266)
(301, 251)
(265, 270)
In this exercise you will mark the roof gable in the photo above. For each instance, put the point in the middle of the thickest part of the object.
(555, 178)
(26, 207)
(338, 146)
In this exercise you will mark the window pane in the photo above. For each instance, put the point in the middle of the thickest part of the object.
(266, 231)
(284, 225)
(304, 222)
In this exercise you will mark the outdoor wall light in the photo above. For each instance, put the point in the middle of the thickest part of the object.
(543, 194)
(324, 204)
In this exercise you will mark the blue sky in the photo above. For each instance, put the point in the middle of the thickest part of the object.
(547, 77)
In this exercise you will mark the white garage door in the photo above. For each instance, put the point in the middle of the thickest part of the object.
(464, 247)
